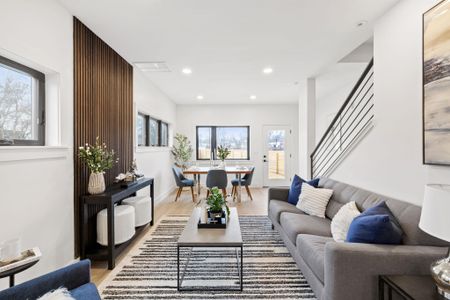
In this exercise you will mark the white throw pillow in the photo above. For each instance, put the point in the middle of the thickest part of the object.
(314, 201)
(58, 294)
(342, 220)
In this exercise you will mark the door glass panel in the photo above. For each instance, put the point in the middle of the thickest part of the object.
(276, 154)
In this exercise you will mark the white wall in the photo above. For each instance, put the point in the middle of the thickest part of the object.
(154, 162)
(332, 89)
(389, 159)
(36, 201)
(255, 116)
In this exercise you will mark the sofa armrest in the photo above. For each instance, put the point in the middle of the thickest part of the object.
(351, 269)
(70, 277)
(278, 193)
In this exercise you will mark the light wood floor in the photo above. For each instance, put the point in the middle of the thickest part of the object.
(184, 205)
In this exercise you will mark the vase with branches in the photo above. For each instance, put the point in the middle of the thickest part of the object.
(98, 159)
(222, 153)
(182, 150)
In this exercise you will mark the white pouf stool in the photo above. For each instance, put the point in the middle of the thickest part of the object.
(124, 216)
(143, 208)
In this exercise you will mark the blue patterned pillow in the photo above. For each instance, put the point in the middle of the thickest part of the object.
(296, 188)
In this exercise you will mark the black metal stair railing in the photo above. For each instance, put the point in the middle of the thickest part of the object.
(350, 124)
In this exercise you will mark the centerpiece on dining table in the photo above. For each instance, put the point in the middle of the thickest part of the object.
(222, 153)
(216, 211)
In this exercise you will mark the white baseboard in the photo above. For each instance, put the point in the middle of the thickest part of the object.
(165, 194)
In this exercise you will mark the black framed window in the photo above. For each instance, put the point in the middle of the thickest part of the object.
(154, 132)
(142, 130)
(235, 138)
(151, 132)
(164, 134)
(22, 105)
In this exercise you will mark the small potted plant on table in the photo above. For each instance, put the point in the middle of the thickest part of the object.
(216, 203)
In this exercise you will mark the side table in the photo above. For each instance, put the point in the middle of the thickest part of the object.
(11, 273)
(408, 287)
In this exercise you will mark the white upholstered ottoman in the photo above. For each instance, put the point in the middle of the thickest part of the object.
(124, 220)
(143, 208)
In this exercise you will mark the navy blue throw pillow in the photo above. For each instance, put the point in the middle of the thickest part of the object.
(296, 188)
(376, 225)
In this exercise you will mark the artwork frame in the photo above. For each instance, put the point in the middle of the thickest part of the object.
(436, 85)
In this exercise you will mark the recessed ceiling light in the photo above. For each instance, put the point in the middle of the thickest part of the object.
(186, 71)
(252, 97)
(200, 97)
(267, 70)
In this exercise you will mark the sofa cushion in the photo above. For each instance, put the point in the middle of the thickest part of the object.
(342, 220)
(276, 207)
(407, 214)
(295, 224)
(312, 250)
(313, 201)
(87, 291)
(373, 229)
(296, 188)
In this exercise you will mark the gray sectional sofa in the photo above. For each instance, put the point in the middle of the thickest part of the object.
(342, 271)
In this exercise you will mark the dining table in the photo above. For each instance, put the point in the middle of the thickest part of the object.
(197, 171)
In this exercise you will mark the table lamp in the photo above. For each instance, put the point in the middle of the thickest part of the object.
(435, 220)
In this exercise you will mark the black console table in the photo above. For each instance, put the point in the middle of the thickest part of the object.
(91, 204)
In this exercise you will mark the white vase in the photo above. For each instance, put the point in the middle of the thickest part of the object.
(96, 183)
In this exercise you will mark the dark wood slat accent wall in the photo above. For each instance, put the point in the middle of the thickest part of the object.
(103, 107)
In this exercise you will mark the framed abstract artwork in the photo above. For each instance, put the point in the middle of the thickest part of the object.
(436, 85)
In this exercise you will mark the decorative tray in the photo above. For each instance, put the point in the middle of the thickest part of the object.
(214, 222)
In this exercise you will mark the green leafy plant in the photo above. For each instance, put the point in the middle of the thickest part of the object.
(97, 157)
(182, 150)
(216, 202)
(223, 152)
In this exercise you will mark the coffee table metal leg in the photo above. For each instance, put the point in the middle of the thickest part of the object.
(242, 268)
(178, 268)
(180, 277)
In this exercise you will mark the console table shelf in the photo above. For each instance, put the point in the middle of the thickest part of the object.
(91, 204)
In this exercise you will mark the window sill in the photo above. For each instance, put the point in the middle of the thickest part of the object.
(21, 153)
(142, 149)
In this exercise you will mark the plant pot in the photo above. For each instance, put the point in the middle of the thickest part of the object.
(96, 183)
(222, 164)
(216, 215)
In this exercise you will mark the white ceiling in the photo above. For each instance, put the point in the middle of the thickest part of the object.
(227, 43)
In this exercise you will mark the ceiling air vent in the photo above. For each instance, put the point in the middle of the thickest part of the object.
(152, 66)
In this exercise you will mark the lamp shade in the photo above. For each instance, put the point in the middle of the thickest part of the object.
(435, 216)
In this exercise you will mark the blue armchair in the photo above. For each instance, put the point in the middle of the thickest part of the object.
(76, 278)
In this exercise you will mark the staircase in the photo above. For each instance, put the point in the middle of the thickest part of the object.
(353, 120)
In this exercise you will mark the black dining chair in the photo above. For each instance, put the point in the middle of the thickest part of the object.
(182, 182)
(217, 178)
(245, 181)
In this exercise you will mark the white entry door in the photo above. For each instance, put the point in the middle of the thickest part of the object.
(277, 156)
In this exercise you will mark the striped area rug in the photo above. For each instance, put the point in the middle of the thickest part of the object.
(150, 269)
